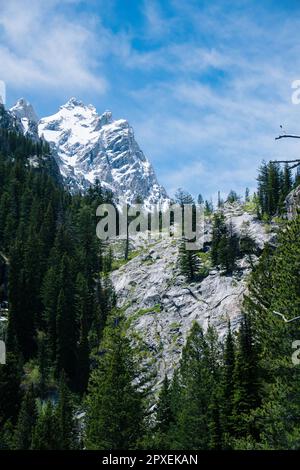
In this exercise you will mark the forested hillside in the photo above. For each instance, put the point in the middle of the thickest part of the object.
(73, 378)
(244, 393)
(58, 300)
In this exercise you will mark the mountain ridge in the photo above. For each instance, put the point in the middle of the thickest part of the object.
(89, 146)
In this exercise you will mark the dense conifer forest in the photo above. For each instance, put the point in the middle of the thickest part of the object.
(73, 379)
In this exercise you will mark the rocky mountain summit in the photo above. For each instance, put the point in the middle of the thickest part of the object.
(88, 146)
(27, 117)
(161, 306)
(91, 146)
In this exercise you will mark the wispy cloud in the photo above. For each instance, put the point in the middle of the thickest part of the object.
(224, 101)
(156, 25)
(43, 48)
(204, 84)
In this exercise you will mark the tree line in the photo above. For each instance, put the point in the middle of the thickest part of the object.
(73, 379)
(241, 392)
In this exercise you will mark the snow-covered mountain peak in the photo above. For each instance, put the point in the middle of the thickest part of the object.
(106, 118)
(25, 114)
(73, 123)
(90, 146)
(73, 103)
(23, 109)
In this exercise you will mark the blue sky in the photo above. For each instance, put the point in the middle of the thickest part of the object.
(205, 84)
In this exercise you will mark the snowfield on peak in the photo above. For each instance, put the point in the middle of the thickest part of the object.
(24, 111)
(89, 146)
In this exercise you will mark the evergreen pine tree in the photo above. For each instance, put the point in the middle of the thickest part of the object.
(45, 436)
(228, 384)
(163, 417)
(248, 245)
(218, 234)
(200, 199)
(246, 378)
(66, 431)
(66, 325)
(232, 197)
(114, 404)
(26, 421)
(189, 262)
(82, 305)
(208, 208)
(247, 195)
(193, 420)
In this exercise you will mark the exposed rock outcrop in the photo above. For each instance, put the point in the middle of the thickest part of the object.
(161, 306)
(292, 203)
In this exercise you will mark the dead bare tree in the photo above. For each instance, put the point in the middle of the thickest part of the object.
(295, 163)
(284, 318)
(287, 136)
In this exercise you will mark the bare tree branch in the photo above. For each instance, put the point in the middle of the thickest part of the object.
(286, 161)
(294, 166)
(284, 318)
(296, 163)
(291, 136)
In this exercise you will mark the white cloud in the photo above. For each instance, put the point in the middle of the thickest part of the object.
(225, 123)
(214, 82)
(157, 26)
(227, 131)
(155, 22)
(43, 48)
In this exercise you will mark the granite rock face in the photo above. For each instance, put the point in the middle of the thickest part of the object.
(28, 120)
(292, 203)
(161, 306)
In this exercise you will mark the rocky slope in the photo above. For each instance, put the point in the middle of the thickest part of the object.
(22, 119)
(159, 304)
(9, 121)
(292, 203)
